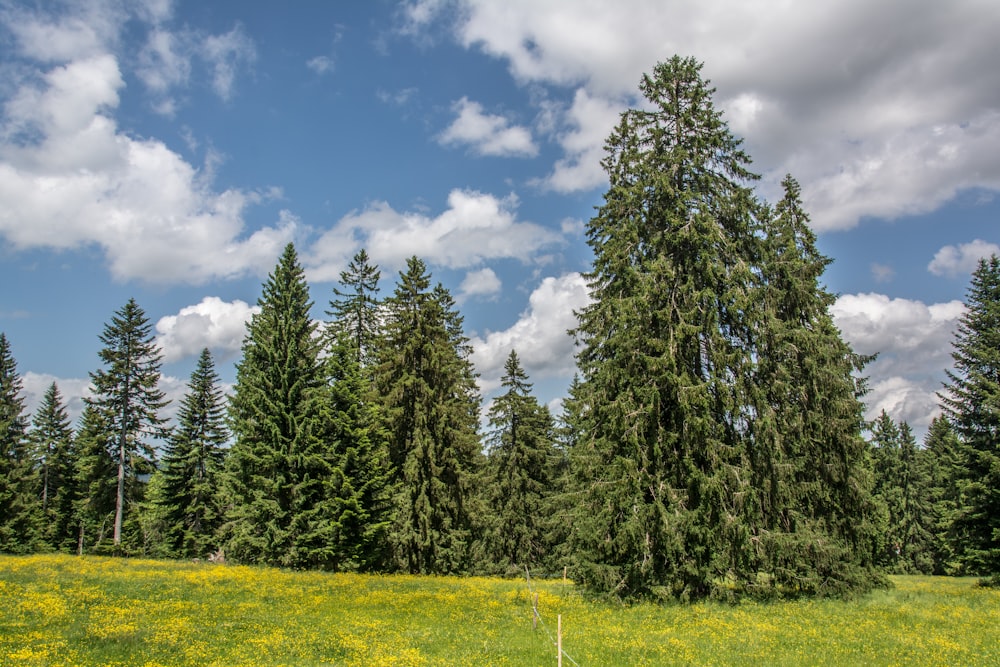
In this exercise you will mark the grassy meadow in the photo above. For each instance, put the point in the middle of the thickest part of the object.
(64, 610)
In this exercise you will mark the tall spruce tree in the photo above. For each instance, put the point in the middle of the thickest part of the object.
(355, 311)
(660, 465)
(278, 509)
(811, 478)
(972, 402)
(518, 483)
(127, 395)
(54, 453)
(430, 411)
(192, 462)
(19, 507)
(686, 479)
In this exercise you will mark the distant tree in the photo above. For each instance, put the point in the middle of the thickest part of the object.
(94, 482)
(518, 470)
(192, 462)
(52, 439)
(19, 507)
(430, 411)
(127, 395)
(887, 466)
(356, 308)
(943, 457)
(279, 511)
(971, 400)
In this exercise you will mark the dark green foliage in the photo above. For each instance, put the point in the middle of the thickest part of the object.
(55, 460)
(126, 394)
(189, 489)
(943, 457)
(518, 470)
(95, 483)
(430, 411)
(972, 402)
(278, 508)
(719, 441)
(359, 486)
(903, 490)
(356, 311)
(20, 513)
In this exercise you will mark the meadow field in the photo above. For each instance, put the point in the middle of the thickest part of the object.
(65, 610)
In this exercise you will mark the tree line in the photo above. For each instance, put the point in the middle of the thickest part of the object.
(712, 444)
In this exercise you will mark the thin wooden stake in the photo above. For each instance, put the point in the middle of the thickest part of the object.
(559, 638)
(564, 574)
(534, 617)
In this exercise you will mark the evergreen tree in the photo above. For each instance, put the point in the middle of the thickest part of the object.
(662, 343)
(126, 394)
(19, 509)
(189, 493)
(712, 451)
(430, 411)
(360, 483)
(52, 440)
(278, 508)
(943, 459)
(94, 483)
(518, 481)
(972, 402)
(814, 519)
(356, 310)
(887, 466)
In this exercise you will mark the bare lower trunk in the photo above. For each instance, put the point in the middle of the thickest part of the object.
(120, 499)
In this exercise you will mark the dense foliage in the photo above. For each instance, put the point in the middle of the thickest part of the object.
(712, 443)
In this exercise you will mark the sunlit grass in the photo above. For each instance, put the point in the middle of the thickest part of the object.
(62, 610)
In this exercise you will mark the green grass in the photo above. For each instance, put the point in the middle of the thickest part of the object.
(63, 610)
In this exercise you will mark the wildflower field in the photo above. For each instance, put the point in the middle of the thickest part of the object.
(64, 610)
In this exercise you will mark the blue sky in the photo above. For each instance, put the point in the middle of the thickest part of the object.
(167, 151)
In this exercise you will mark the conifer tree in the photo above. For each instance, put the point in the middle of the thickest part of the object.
(52, 440)
(278, 508)
(972, 402)
(94, 483)
(360, 484)
(943, 458)
(356, 310)
(127, 395)
(19, 509)
(711, 450)
(192, 462)
(430, 406)
(519, 466)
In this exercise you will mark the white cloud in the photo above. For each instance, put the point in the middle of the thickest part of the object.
(72, 390)
(475, 227)
(321, 64)
(70, 179)
(225, 54)
(482, 283)
(588, 122)
(213, 323)
(487, 134)
(837, 94)
(540, 335)
(913, 343)
(962, 260)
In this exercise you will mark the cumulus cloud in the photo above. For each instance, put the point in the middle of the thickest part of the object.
(835, 94)
(475, 227)
(913, 343)
(69, 178)
(213, 323)
(72, 390)
(540, 335)
(487, 134)
(961, 260)
(587, 123)
(482, 283)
